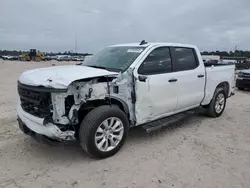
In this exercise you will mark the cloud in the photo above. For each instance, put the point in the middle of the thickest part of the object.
(52, 25)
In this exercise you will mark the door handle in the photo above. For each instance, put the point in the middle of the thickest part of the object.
(142, 78)
(172, 80)
(200, 76)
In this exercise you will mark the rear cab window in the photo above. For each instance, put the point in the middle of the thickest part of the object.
(184, 59)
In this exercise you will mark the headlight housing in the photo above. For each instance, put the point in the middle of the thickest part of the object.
(240, 74)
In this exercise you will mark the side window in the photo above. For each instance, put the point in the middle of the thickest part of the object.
(185, 59)
(158, 61)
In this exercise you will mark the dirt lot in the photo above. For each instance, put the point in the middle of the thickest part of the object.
(202, 152)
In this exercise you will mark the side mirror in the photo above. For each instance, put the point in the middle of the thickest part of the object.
(142, 78)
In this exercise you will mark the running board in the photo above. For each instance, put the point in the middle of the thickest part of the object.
(161, 123)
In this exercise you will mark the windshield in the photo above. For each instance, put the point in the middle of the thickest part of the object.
(116, 59)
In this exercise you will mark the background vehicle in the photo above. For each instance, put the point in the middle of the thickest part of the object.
(33, 55)
(63, 58)
(9, 57)
(228, 62)
(120, 87)
(54, 57)
(243, 79)
(78, 58)
(211, 58)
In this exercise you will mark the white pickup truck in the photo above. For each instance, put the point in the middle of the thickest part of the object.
(122, 86)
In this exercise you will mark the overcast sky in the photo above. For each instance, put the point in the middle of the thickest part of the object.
(53, 25)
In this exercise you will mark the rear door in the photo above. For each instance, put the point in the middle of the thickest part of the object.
(156, 91)
(190, 77)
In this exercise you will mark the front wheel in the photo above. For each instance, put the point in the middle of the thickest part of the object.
(103, 131)
(217, 104)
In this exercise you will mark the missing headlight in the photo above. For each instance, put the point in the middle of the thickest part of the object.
(69, 102)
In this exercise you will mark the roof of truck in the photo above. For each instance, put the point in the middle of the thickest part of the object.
(155, 44)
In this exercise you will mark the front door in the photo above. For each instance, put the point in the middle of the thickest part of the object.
(155, 86)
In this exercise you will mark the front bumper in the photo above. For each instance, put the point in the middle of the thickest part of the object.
(36, 136)
(38, 126)
(243, 83)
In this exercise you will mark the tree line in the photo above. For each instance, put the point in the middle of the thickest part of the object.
(236, 53)
(17, 53)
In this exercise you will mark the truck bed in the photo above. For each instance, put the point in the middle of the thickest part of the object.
(215, 75)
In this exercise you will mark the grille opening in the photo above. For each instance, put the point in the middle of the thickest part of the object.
(35, 102)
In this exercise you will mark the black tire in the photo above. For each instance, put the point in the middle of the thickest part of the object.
(211, 107)
(240, 88)
(89, 127)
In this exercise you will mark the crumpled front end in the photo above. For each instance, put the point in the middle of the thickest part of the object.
(39, 126)
(36, 111)
(55, 112)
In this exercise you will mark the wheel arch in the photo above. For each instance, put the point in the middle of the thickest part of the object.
(121, 104)
(90, 105)
(208, 98)
(225, 85)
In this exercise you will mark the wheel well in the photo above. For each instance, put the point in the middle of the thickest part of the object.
(90, 105)
(122, 105)
(225, 86)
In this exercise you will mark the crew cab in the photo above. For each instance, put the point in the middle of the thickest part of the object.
(122, 86)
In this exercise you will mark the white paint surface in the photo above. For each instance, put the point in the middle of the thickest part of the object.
(60, 77)
(190, 88)
(157, 98)
(216, 75)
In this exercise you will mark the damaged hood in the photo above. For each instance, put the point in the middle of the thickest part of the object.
(60, 77)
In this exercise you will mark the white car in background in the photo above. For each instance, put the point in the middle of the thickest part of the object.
(211, 58)
(228, 62)
(64, 58)
(9, 57)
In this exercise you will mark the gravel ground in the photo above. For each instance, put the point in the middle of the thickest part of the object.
(197, 152)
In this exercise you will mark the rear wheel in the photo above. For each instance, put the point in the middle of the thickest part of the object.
(217, 104)
(103, 131)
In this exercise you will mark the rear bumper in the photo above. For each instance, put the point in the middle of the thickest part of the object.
(243, 83)
(37, 125)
